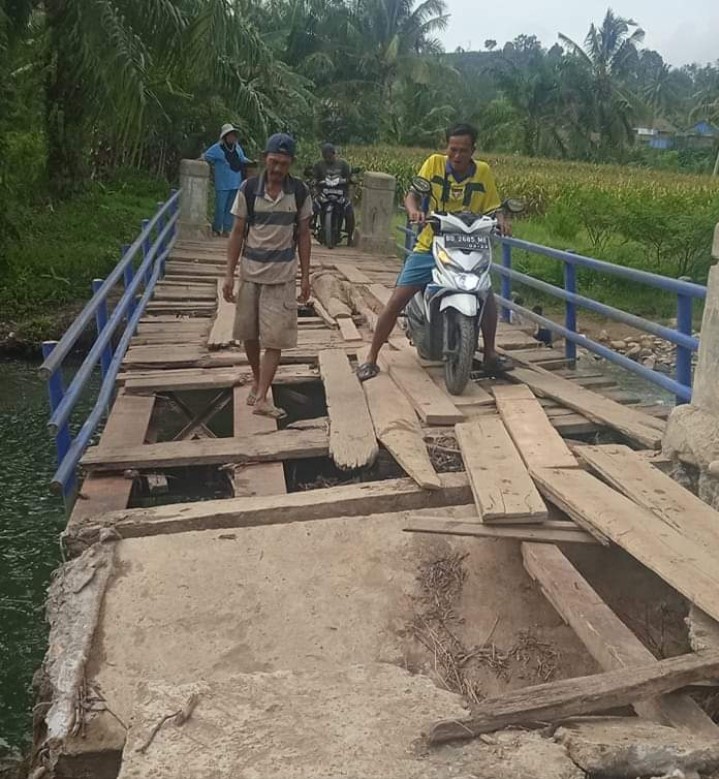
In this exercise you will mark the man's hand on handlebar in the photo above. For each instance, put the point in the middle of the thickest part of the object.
(416, 216)
(504, 225)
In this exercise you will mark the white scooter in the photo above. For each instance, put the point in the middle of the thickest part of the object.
(443, 320)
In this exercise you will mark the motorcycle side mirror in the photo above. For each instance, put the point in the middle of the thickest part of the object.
(421, 186)
(513, 205)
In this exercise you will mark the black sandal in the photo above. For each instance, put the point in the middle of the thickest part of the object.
(498, 365)
(368, 370)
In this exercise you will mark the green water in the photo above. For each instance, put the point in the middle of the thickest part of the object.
(30, 521)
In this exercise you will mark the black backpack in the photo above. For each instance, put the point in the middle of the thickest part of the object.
(250, 192)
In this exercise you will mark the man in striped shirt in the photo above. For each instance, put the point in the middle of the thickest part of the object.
(272, 216)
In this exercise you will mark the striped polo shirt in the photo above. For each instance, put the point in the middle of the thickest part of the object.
(269, 255)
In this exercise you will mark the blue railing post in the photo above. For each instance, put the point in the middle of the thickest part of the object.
(56, 392)
(101, 322)
(570, 310)
(161, 222)
(128, 275)
(684, 355)
(175, 209)
(146, 246)
(506, 281)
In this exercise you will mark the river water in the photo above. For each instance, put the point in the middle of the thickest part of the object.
(30, 522)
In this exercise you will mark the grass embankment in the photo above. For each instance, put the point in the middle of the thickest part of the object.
(61, 246)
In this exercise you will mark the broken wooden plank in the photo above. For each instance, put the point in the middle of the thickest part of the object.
(503, 490)
(351, 500)
(538, 443)
(555, 701)
(398, 430)
(259, 478)
(353, 443)
(221, 333)
(595, 407)
(281, 445)
(687, 566)
(189, 379)
(323, 314)
(431, 403)
(555, 532)
(348, 329)
(607, 639)
(127, 425)
(647, 486)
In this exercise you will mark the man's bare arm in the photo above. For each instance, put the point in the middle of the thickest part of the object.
(234, 250)
(304, 248)
(412, 206)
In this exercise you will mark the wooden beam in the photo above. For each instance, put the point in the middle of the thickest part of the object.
(223, 325)
(503, 490)
(647, 486)
(348, 329)
(555, 532)
(430, 402)
(282, 445)
(189, 379)
(352, 436)
(538, 443)
(687, 566)
(555, 701)
(198, 422)
(607, 639)
(352, 500)
(398, 430)
(597, 408)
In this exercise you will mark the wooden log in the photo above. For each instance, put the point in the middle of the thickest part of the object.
(328, 290)
(555, 701)
(538, 443)
(360, 306)
(555, 532)
(352, 500)
(352, 437)
(429, 401)
(687, 566)
(281, 445)
(597, 408)
(607, 639)
(502, 488)
(397, 428)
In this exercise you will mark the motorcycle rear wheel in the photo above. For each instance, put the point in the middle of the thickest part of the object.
(462, 339)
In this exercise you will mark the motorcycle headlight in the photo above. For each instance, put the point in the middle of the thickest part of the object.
(467, 281)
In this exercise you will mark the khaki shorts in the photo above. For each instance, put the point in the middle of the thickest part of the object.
(267, 313)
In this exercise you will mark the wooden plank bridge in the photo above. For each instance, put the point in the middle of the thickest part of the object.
(200, 600)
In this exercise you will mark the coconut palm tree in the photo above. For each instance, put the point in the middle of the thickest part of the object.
(596, 83)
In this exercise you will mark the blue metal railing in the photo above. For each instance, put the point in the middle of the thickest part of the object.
(681, 336)
(151, 247)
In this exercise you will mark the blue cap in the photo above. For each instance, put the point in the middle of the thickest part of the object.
(280, 143)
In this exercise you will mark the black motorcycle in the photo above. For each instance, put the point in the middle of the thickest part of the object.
(331, 198)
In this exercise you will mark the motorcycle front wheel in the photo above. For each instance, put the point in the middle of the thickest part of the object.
(461, 340)
(329, 229)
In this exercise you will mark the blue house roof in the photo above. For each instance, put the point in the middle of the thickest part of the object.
(705, 128)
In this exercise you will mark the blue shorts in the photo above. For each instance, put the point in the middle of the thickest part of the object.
(417, 270)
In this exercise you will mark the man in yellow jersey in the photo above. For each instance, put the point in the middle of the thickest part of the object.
(459, 183)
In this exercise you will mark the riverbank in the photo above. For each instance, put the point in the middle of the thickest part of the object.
(47, 270)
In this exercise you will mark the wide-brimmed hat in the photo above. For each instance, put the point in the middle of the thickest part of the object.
(280, 143)
(227, 129)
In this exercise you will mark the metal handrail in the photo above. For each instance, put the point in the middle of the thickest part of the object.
(686, 292)
(154, 243)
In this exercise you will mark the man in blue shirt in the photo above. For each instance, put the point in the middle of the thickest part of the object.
(228, 162)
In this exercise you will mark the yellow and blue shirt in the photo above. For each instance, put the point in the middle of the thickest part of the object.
(476, 192)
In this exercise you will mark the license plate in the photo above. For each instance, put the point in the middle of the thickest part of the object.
(334, 192)
(468, 243)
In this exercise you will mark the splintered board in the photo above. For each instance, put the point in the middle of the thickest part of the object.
(502, 487)
(687, 566)
(352, 436)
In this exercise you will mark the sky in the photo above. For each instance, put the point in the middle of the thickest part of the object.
(682, 33)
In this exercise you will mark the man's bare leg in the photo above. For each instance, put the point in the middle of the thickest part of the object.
(252, 350)
(388, 318)
(488, 327)
(268, 369)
